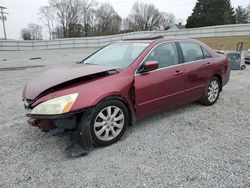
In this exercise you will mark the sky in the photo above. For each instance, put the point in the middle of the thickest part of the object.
(23, 12)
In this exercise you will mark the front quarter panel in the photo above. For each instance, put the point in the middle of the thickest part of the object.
(93, 93)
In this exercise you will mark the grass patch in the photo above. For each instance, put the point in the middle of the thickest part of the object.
(226, 43)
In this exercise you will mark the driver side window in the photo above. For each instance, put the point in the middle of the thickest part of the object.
(166, 54)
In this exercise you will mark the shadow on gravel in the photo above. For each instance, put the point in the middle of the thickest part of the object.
(166, 113)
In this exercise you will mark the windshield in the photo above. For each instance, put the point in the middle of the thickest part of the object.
(120, 55)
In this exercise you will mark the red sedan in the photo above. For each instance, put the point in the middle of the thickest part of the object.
(100, 96)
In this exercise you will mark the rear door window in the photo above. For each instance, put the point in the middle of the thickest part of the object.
(191, 51)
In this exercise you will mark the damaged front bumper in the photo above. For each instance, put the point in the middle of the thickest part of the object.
(77, 122)
(51, 123)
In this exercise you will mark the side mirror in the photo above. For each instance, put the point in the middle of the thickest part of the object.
(150, 66)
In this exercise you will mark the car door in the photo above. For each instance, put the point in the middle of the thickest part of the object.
(161, 88)
(198, 70)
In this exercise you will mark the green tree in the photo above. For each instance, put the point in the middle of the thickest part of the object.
(212, 12)
(25, 34)
(229, 14)
(241, 15)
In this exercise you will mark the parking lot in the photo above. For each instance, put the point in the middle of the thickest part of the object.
(191, 146)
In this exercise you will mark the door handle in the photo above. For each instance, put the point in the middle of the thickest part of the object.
(177, 73)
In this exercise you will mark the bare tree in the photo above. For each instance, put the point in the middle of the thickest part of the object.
(36, 31)
(167, 20)
(248, 11)
(48, 17)
(144, 17)
(58, 32)
(77, 18)
(67, 12)
(241, 15)
(73, 14)
(116, 24)
(108, 21)
(33, 32)
(76, 30)
(87, 15)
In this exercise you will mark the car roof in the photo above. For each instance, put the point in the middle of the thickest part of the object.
(146, 38)
(156, 39)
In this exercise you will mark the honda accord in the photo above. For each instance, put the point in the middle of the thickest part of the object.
(123, 82)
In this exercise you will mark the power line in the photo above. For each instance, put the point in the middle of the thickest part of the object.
(3, 18)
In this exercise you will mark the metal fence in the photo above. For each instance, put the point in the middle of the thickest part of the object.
(86, 42)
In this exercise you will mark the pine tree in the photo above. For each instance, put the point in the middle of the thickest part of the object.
(229, 14)
(212, 12)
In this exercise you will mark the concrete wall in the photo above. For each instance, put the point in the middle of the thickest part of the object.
(214, 31)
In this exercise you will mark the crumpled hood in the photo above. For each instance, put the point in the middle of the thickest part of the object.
(60, 75)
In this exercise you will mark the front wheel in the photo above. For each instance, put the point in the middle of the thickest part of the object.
(109, 122)
(212, 92)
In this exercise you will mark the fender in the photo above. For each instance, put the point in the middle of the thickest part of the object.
(93, 92)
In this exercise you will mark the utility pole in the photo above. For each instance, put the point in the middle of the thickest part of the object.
(3, 18)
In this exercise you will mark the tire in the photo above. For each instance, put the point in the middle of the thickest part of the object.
(212, 92)
(108, 122)
(243, 67)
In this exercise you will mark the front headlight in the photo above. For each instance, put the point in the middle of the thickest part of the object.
(55, 106)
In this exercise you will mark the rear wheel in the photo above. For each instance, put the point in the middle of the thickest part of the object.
(109, 122)
(212, 92)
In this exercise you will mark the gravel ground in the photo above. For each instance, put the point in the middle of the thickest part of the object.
(192, 146)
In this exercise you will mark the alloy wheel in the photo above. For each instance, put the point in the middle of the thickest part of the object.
(108, 123)
(213, 91)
